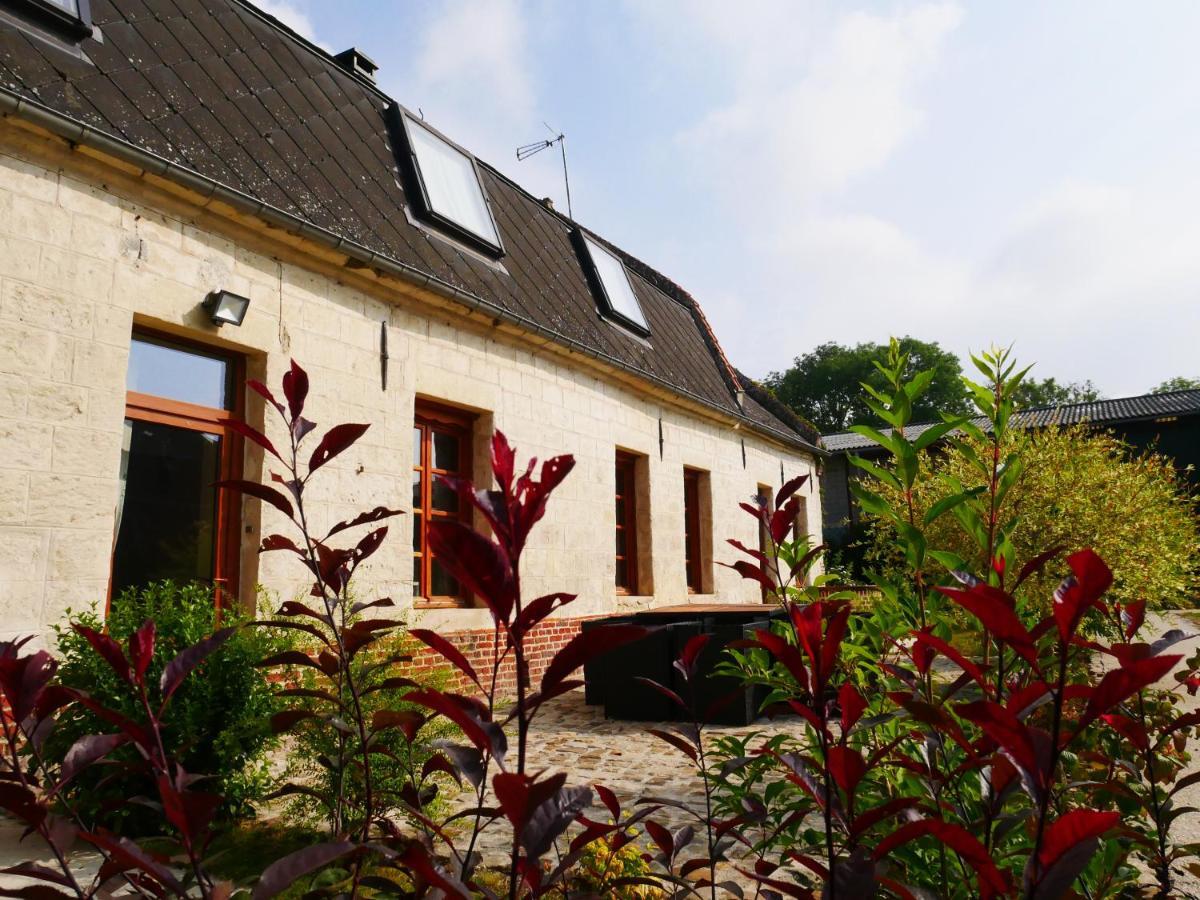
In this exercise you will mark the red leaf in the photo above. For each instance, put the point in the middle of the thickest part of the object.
(1130, 729)
(261, 491)
(85, 751)
(503, 461)
(478, 563)
(107, 648)
(1080, 592)
(783, 520)
(1120, 684)
(366, 518)
(1036, 565)
(409, 721)
(847, 767)
(295, 388)
(786, 654)
(691, 651)
(536, 610)
(283, 873)
(785, 493)
(751, 572)
(252, 433)
(447, 651)
(261, 389)
(958, 839)
(279, 542)
(520, 795)
(586, 646)
(141, 649)
(675, 741)
(994, 609)
(852, 704)
(1072, 828)
(190, 657)
(948, 651)
(1003, 727)
(335, 440)
(1132, 617)
(458, 710)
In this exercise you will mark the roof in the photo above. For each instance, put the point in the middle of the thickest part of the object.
(220, 90)
(1118, 410)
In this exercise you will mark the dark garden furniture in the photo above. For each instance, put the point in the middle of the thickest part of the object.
(612, 679)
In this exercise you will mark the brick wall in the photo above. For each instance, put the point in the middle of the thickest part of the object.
(89, 252)
(477, 646)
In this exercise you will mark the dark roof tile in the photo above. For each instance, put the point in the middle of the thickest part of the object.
(219, 87)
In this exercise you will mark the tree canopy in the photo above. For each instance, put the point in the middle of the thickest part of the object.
(825, 385)
(1178, 383)
(1049, 392)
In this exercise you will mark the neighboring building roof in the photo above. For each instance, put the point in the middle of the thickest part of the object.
(1119, 410)
(222, 90)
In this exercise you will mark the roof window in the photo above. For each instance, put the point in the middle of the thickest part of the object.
(73, 17)
(610, 282)
(449, 190)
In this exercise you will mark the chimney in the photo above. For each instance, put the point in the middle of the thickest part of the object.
(548, 203)
(357, 63)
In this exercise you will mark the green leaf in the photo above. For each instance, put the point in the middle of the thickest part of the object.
(946, 504)
(887, 477)
(875, 435)
(950, 560)
(935, 433)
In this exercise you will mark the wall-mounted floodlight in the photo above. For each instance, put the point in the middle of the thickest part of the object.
(226, 308)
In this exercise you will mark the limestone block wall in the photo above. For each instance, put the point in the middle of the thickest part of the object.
(89, 253)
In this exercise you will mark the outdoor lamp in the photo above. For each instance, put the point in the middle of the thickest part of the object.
(226, 308)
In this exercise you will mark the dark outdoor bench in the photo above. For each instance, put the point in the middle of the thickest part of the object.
(611, 680)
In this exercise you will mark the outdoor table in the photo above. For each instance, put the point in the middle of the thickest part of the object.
(611, 679)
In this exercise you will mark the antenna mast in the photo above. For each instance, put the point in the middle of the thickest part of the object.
(527, 150)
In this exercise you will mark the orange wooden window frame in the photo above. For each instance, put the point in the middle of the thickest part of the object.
(179, 414)
(691, 531)
(428, 419)
(765, 495)
(627, 563)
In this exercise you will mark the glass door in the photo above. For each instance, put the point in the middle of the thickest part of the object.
(171, 521)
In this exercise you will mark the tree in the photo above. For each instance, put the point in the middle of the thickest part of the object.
(1048, 392)
(825, 385)
(1178, 383)
(1076, 487)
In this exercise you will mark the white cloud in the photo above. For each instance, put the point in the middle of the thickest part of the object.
(793, 136)
(470, 74)
(291, 15)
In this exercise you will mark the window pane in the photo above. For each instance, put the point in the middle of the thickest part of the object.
(178, 374)
(620, 511)
(416, 446)
(417, 532)
(416, 490)
(444, 584)
(445, 452)
(168, 518)
(442, 498)
(416, 579)
(70, 6)
(622, 574)
(616, 284)
(450, 183)
(621, 544)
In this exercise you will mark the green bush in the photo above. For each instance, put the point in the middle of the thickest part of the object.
(218, 722)
(1077, 488)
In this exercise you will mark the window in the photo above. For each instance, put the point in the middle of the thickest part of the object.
(441, 446)
(697, 530)
(448, 188)
(71, 16)
(611, 283)
(691, 529)
(627, 523)
(765, 497)
(171, 521)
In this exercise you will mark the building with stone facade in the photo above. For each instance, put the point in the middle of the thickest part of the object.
(159, 156)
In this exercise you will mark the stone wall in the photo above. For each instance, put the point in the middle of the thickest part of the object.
(88, 252)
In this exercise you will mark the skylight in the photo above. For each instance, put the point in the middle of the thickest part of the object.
(617, 292)
(451, 191)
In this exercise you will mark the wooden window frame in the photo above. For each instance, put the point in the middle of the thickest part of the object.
(429, 416)
(693, 546)
(142, 407)
(766, 495)
(627, 463)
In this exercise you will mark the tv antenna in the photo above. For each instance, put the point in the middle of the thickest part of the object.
(527, 150)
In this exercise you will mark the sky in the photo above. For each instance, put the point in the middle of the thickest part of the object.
(974, 174)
